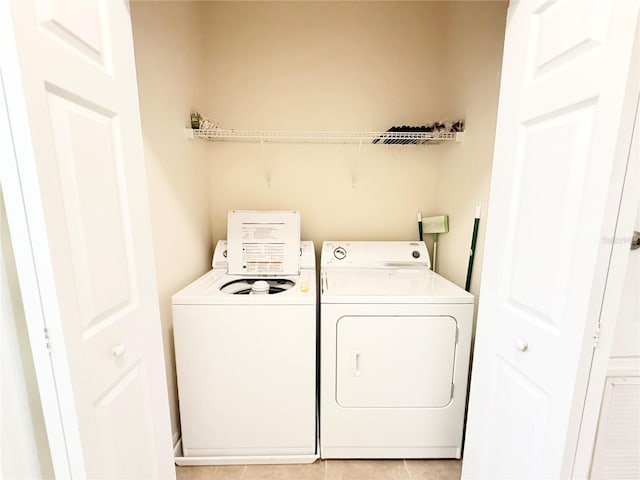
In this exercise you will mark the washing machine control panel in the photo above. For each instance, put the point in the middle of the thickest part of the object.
(362, 254)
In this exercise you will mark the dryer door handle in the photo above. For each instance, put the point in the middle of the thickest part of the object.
(355, 364)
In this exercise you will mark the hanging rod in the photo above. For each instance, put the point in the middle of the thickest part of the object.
(220, 134)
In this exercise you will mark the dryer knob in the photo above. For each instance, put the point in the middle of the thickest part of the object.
(416, 254)
(340, 253)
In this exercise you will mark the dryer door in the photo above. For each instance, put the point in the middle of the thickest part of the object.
(395, 361)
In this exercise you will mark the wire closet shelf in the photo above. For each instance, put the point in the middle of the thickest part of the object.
(415, 138)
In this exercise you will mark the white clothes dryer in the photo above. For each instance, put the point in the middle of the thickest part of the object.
(246, 365)
(395, 340)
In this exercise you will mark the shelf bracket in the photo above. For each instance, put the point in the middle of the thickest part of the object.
(267, 166)
(354, 165)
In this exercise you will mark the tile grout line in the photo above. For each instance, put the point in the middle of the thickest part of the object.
(406, 467)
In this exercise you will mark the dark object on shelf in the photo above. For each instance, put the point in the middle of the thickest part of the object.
(458, 126)
(436, 128)
(195, 120)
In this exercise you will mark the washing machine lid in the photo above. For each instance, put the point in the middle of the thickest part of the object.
(216, 287)
(263, 242)
(307, 255)
(389, 285)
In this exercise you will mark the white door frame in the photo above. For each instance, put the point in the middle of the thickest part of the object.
(614, 287)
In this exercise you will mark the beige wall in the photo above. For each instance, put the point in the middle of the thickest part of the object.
(355, 66)
(169, 48)
(474, 40)
(331, 66)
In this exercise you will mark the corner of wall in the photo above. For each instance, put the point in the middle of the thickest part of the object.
(474, 38)
(170, 53)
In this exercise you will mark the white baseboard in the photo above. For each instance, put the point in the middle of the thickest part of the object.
(238, 460)
(248, 460)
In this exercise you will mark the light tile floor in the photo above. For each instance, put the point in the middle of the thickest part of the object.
(330, 470)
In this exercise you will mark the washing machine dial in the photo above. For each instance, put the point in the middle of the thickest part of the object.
(415, 254)
(340, 253)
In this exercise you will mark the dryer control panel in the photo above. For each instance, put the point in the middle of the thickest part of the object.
(363, 254)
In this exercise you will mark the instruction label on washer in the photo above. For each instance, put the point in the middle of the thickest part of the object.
(265, 243)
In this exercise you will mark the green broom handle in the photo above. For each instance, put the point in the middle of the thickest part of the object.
(472, 253)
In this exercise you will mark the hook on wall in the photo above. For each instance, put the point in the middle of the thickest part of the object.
(267, 165)
(354, 165)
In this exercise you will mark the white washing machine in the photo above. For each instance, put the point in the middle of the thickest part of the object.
(246, 365)
(395, 340)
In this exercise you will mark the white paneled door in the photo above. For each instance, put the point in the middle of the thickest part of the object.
(567, 102)
(78, 150)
